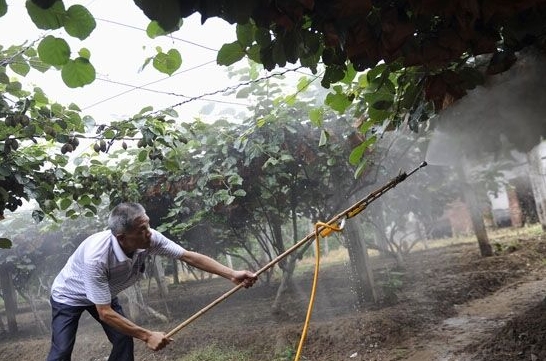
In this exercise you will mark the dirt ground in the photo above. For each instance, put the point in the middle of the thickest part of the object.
(446, 304)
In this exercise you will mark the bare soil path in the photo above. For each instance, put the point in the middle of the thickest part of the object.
(477, 321)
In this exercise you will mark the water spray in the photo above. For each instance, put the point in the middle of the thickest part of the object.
(336, 223)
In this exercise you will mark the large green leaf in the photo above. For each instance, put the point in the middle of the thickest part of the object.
(230, 54)
(168, 62)
(279, 56)
(245, 34)
(54, 51)
(52, 18)
(19, 65)
(338, 100)
(79, 22)
(3, 8)
(78, 72)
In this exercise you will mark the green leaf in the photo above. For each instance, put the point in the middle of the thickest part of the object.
(263, 37)
(253, 53)
(362, 81)
(382, 104)
(85, 200)
(332, 74)
(78, 72)
(39, 65)
(14, 88)
(361, 167)
(51, 18)
(323, 138)
(303, 83)
(65, 203)
(154, 30)
(4, 79)
(40, 97)
(229, 200)
(350, 75)
(230, 54)
(168, 63)
(19, 66)
(367, 125)
(85, 53)
(409, 96)
(375, 72)
(279, 56)
(338, 102)
(378, 116)
(79, 22)
(3, 8)
(142, 155)
(357, 153)
(54, 51)
(245, 34)
(30, 52)
(316, 116)
(5, 243)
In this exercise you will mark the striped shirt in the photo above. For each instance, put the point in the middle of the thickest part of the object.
(99, 269)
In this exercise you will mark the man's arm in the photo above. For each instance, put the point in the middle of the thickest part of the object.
(153, 339)
(210, 265)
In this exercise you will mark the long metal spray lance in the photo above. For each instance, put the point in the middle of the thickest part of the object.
(338, 220)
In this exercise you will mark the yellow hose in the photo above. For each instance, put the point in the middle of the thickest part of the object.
(327, 229)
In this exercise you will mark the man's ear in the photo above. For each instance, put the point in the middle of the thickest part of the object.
(120, 237)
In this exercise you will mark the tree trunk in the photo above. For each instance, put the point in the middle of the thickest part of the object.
(475, 214)
(158, 273)
(135, 305)
(176, 278)
(285, 285)
(538, 182)
(132, 310)
(229, 261)
(380, 227)
(361, 272)
(31, 301)
(10, 300)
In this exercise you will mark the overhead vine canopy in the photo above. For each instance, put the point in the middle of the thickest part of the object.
(436, 35)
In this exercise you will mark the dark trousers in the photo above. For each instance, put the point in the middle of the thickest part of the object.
(64, 324)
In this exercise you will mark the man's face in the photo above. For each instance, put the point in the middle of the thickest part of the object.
(139, 236)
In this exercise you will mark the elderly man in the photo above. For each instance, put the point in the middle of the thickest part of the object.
(106, 263)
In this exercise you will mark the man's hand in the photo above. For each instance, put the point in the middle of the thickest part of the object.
(157, 340)
(154, 340)
(247, 278)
